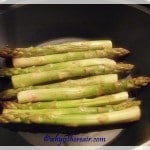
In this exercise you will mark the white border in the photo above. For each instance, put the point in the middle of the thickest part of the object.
(74, 1)
(74, 147)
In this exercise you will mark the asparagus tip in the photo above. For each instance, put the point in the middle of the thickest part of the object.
(5, 52)
(6, 104)
(121, 51)
(3, 120)
(141, 81)
(125, 67)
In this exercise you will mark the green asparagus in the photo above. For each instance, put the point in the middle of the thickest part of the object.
(48, 88)
(54, 49)
(35, 78)
(93, 102)
(80, 91)
(75, 110)
(11, 93)
(51, 67)
(74, 120)
(70, 56)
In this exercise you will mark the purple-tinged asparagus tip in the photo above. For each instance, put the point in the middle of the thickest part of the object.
(125, 67)
(141, 81)
(6, 52)
(121, 51)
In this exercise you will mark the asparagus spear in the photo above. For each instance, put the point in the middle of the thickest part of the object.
(11, 93)
(54, 49)
(50, 67)
(30, 79)
(56, 58)
(81, 91)
(122, 116)
(98, 101)
(76, 110)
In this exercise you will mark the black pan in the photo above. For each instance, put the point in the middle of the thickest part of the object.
(127, 26)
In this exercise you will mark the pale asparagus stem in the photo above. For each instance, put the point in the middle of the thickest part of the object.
(122, 116)
(70, 56)
(81, 91)
(75, 110)
(54, 49)
(109, 78)
(127, 115)
(51, 67)
(98, 101)
(25, 80)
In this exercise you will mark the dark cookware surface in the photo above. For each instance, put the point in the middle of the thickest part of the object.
(127, 26)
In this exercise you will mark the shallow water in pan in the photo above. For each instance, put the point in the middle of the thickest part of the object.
(37, 138)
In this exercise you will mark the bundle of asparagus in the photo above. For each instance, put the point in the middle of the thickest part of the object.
(70, 84)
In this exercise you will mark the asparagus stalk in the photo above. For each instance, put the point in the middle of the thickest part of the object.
(30, 79)
(70, 56)
(76, 110)
(54, 49)
(93, 102)
(81, 91)
(12, 93)
(122, 116)
(127, 115)
(51, 67)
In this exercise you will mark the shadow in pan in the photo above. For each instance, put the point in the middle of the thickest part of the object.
(36, 128)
